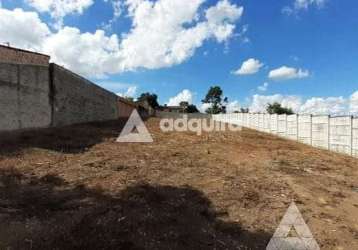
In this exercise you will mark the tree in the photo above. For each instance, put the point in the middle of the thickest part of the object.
(188, 108)
(276, 108)
(191, 109)
(184, 104)
(244, 110)
(152, 99)
(214, 97)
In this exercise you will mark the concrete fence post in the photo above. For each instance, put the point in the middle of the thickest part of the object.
(311, 132)
(286, 126)
(277, 119)
(351, 134)
(329, 132)
(269, 124)
(297, 127)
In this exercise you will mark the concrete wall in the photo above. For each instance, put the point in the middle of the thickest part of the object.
(355, 137)
(173, 115)
(320, 131)
(77, 100)
(282, 125)
(305, 129)
(339, 134)
(24, 97)
(267, 123)
(274, 124)
(292, 127)
(33, 96)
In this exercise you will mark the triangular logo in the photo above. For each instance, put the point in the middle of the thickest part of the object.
(292, 221)
(136, 123)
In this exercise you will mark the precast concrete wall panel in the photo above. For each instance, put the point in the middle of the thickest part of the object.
(274, 124)
(305, 129)
(355, 137)
(262, 122)
(292, 127)
(267, 120)
(320, 131)
(340, 134)
(282, 125)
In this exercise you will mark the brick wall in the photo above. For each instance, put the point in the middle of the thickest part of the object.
(125, 108)
(18, 56)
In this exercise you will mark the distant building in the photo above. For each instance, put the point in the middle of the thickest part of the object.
(19, 56)
(173, 109)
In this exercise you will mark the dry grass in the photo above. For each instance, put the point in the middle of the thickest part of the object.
(76, 188)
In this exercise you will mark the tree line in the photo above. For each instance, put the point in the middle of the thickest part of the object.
(216, 102)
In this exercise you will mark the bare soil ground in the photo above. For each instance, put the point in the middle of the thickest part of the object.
(76, 188)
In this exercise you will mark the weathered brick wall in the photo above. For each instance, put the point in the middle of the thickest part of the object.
(125, 109)
(18, 56)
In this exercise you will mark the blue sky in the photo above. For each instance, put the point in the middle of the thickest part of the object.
(317, 38)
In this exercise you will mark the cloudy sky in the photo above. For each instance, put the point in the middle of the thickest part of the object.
(301, 53)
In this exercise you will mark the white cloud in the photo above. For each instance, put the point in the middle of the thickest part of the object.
(263, 87)
(353, 105)
(251, 66)
(58, 9)
(204, 106)
(90, 54)
(304, 4)
(242, 34)
(260, 102)
(299, 5)
(130, 92)
(314, 105)
(220, 19)
(159, 38)
(122, 89)
(287, 73)
(163, 33)
(184, 96)
(232, 106)
(117, 6)
(22, 29)
(329, 105)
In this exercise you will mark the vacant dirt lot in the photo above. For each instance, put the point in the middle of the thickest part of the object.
(76, 188)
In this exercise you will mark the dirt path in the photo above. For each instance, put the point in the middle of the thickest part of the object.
(76, 188)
